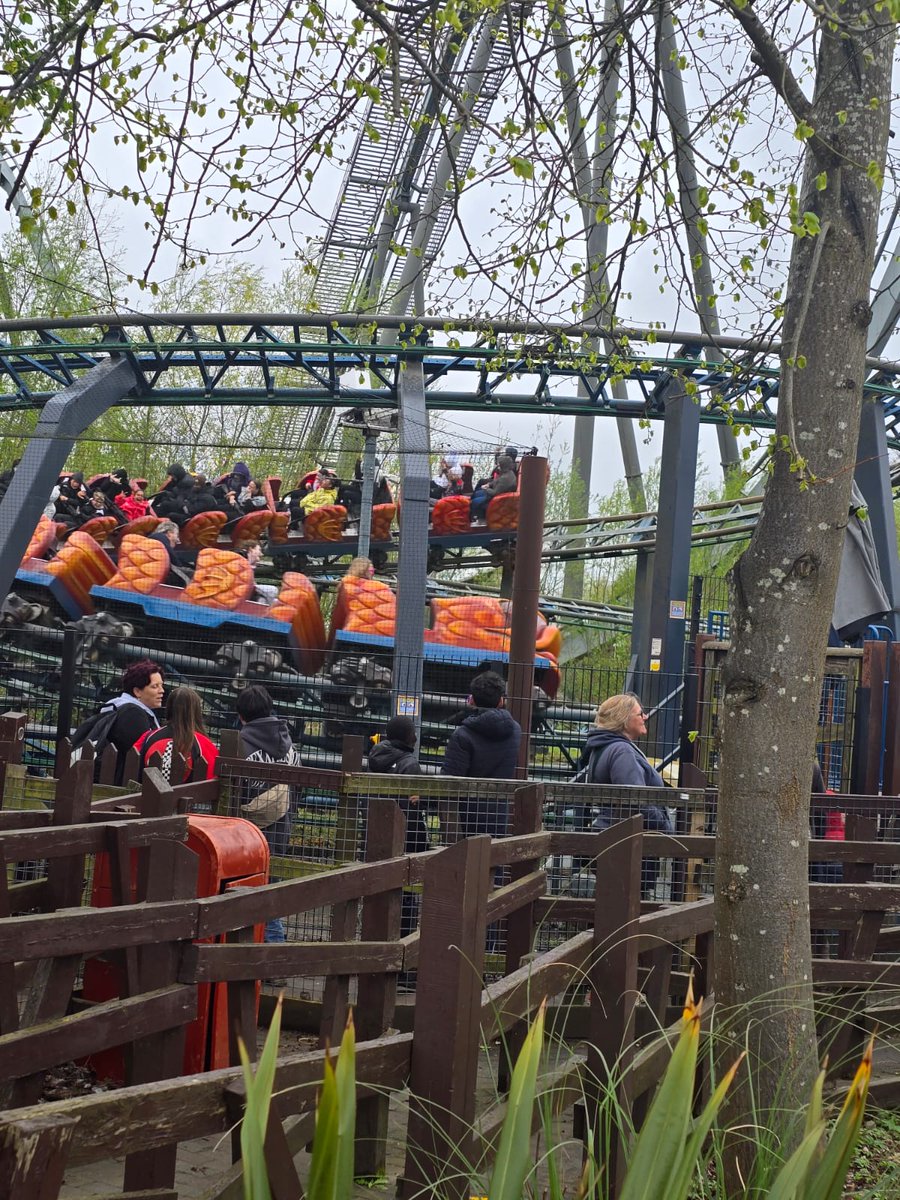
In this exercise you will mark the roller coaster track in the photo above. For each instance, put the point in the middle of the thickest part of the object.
(290, 359)
(717, 523)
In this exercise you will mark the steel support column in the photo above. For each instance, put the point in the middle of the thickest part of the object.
(412, 560)
(368, 492)
(63, 419)
(688, 188)
(640, 623)
(873, 476)
(672, 557)
(526, 591)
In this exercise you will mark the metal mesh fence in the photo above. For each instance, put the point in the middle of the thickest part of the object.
(837, 714)
(60, 677)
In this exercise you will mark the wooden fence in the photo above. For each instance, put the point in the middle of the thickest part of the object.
(168, 943)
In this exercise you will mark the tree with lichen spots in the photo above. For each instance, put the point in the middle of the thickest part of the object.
(783, 586)
(236, 110)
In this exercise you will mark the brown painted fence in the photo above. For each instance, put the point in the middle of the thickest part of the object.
(623, 957)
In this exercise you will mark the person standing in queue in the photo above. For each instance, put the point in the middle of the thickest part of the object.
(183, 734)
(137, 709)
(610, 756)
(484, 745)
(265, 738)
(395, 754)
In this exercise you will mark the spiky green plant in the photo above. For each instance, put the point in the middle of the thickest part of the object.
(672, 1146)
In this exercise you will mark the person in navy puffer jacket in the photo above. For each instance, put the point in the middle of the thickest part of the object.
(485, 745)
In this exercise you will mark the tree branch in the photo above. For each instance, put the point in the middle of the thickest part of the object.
(771, 61)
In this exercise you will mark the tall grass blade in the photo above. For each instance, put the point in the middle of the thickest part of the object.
(791, 1181)
(683, 1177)
(259, 1087)
(514, 1158)
(323, 1164)
(554, 1183)
(814, 1115)
(660, 1145)
(827, 1180)
(345, 1081)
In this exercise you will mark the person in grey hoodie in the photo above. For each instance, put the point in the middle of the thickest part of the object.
(610, 756)
(266, 738)
(610, 747)
(485, 745)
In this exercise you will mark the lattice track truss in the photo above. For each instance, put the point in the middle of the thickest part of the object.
(279, 359)
(393, 164)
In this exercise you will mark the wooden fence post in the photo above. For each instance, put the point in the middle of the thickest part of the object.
(377, 994)
(33, 1156)
(335, 997)
(346, 833)
(870, 706)
(12, 742)
(528, 817)
(54, 978)
(446, 1033)
(171, 875)
(613, 976)
(230, 746)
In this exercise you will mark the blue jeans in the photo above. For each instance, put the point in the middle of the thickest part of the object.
(275, 930)
(278, 836)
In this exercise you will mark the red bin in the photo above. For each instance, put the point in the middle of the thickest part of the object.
(231, 853)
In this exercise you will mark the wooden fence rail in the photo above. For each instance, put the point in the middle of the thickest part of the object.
(169, 942)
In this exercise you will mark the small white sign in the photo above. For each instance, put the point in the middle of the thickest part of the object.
(655, 646)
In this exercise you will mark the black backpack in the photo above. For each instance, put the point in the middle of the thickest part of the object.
(95, 730)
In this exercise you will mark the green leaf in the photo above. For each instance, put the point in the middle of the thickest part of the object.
(323, 1163)
(345, 1078)
(791, 1181)
(331, 1165)
(680, 1184)
(827, 1181)
(660, 1145)
(514, 1158)
(259, 1087)
(811, 223)
(523, 168)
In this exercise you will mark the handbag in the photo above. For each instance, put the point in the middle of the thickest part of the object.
(269, 806)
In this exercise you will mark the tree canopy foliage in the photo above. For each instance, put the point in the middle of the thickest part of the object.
(214, 126)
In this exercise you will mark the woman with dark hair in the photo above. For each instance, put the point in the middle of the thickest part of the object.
(182, 735)
(135, 712)
(252, 498)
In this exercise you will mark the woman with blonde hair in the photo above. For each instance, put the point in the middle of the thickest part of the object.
(610, 756)
(610, 752)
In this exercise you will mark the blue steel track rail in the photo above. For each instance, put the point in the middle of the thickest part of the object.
(290, 360)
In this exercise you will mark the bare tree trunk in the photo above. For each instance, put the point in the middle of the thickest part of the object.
(784, 585)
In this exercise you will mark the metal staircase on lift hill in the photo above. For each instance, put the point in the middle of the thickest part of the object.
(399, 145)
